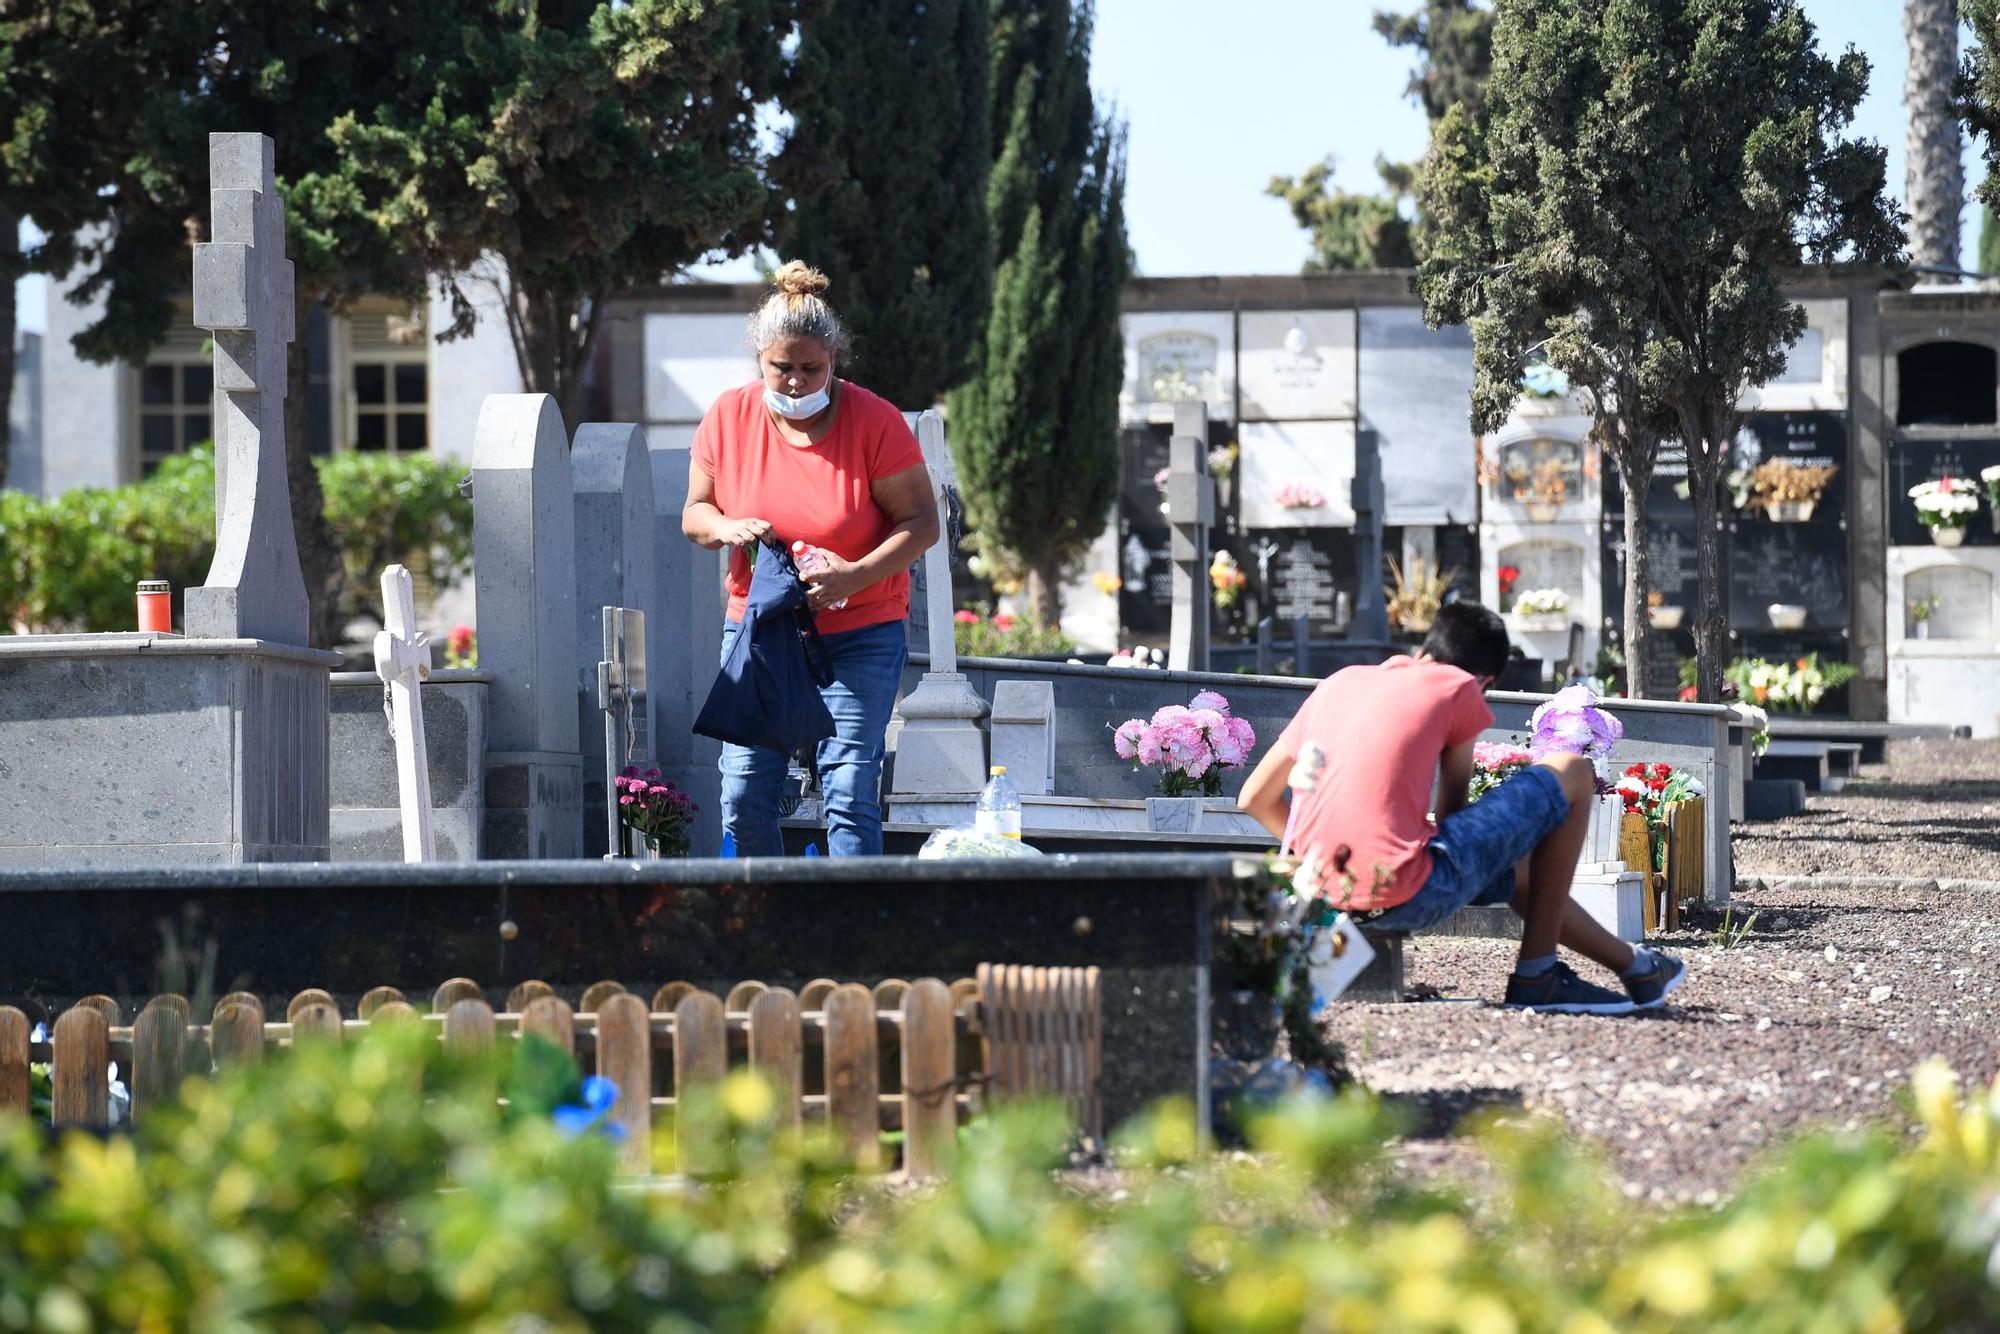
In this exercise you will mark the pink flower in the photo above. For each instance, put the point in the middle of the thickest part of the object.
(653, 774)
(1126, 739)
(1233, 741)
(1209, 699)
(1003, 622)
(964, 617)
(1148, 745)
(658, 791)
(627, 800)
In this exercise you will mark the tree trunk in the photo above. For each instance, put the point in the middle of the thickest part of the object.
(1638, 576)
(1934, 171)
(10, 268)
(319, 558)
(553, 332)
(1045, 592)
(1711, 629)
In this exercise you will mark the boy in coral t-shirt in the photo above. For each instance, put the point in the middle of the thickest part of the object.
(1386, 732)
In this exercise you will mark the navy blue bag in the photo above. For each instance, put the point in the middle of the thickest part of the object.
(767, 693)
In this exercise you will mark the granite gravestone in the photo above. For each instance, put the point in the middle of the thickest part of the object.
(613, 479)
(941, 747)
(243, 296)
(154, 748)
(684, 632)
(1190, 509)
(525, 592)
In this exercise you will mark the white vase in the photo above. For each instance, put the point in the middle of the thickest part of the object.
(1665, 618)
(1173, 815)
(1789, 511)
(1923, 629)
(1948, 535)
(1541, 622)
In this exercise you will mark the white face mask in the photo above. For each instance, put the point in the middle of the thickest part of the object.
(795, 408)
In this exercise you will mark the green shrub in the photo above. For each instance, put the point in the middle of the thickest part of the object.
(375, 1185)
(387, 509)
(71, 562)
(978, 635)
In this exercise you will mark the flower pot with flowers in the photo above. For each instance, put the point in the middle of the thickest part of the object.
(657, 812)
(1509, 576)
(1540, 611)
(1991, 478)
(1662, 614)
(1789, 491)
(1416, 594)
(1191, 746)
(1921, 612)
(1946, 507)
(1798, 686)
(1226, 578)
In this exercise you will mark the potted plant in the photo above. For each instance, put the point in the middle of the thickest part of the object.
(1222, 467)
(1226, 577)
(1786, 616)
(1921, 612)
(1416, 594)
(1190, 746)
(1946, 507)
(1540, 610)
(1991, 476)
(1660, 613)
(657, 812)
(1788, 491)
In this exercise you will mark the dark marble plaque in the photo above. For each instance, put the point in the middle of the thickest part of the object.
(1310, 567)
(1666, 497)
(1914, 461)
(1804, 564)
(1672, 566)
(1146, 569)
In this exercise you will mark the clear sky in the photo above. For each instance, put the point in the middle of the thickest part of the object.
(1220, 95)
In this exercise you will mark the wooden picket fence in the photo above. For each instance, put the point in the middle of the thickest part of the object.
(919, 1057)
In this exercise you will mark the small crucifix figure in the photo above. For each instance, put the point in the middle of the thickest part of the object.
(403, 661)
(243, 295)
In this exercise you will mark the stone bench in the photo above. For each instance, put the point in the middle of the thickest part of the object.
(1805, 761)
(1873, 737)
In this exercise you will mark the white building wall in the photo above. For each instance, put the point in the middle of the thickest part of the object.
(24, 417)
(87, 414)
(463, 372)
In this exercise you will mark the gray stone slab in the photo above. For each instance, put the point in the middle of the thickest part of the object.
(144, 748)
(366, 805)
(613, 479)
(534, 805)
(1773, 798)
(684, 630)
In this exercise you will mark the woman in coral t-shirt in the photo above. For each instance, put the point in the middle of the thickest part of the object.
(806, 456)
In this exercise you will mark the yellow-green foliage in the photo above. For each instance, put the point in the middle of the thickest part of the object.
(374, 1187)
(70, 562)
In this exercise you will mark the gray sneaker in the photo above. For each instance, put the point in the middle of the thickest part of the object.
(1561, 991)
(1649, 989)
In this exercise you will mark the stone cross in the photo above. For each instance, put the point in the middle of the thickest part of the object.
(941, 748)
(1371, 606)
(403, 661)
(243, 295)
(1191, 511)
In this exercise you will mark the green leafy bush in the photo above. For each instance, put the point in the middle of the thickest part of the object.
(376, 1186)
(386, 509)
(71, 562)
(978, 635)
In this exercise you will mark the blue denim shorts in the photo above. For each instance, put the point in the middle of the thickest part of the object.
(1474, 850)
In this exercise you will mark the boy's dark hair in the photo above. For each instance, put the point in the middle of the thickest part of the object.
(1470, 637)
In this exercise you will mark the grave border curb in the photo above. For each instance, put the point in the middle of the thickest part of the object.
(1927, 884)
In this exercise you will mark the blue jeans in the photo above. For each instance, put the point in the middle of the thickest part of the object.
(1474, 850)
(867, 672)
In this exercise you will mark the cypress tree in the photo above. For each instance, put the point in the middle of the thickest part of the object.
(1035, 431)
(889, 159)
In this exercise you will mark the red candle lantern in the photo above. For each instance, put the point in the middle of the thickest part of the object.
(156, 606)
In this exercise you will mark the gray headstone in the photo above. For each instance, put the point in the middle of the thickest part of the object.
(243, 295)
(613, 480)
(684, 626)
(524, 590)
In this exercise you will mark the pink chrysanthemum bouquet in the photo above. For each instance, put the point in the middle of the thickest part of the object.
(1191, 746)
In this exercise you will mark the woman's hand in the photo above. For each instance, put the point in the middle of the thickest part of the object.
(835, 581)
(741, 532)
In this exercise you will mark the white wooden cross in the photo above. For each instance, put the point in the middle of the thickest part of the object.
(243, 295)
(929, 430)
(403, 661)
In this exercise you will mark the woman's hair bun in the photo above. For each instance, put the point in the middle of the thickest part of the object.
(797, 278)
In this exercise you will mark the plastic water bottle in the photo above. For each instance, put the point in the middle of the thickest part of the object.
(999, 809)
(809, 558)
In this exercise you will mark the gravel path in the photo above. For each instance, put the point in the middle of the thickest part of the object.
(1933, 810)
(1815, 1018)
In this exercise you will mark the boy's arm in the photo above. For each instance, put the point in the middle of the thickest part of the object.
(1263, 794)
(1454, 779)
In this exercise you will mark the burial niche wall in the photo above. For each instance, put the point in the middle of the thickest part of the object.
(1964, 600)
(1542, 563)
(1947, 384)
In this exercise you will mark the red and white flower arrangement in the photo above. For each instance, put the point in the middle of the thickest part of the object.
(1649, 789)
(1493, 762)
(1190, 745)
